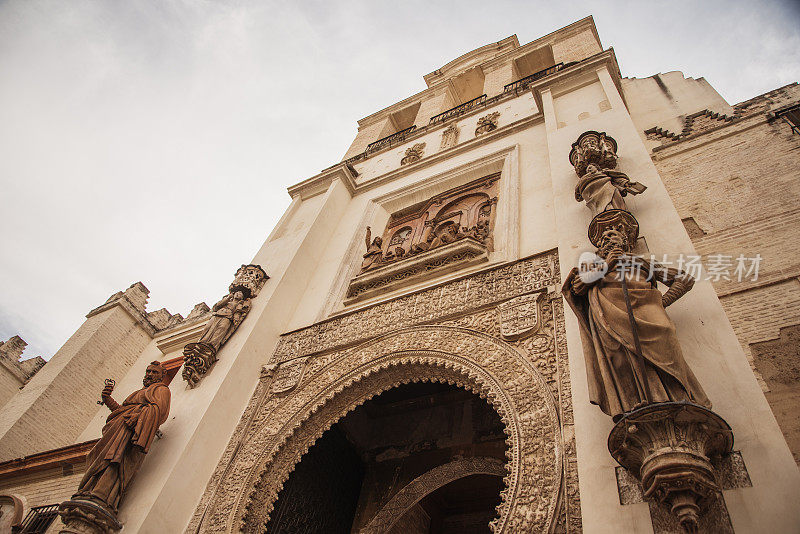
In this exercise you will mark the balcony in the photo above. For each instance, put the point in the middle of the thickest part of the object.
(523, 83)
(389, 140)
(458, 110)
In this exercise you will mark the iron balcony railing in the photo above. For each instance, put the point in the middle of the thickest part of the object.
(389, 140)
(522, 83)
(458, 110)
(791, 116)
(38, 519)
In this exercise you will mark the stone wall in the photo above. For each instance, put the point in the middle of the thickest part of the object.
(734, 181)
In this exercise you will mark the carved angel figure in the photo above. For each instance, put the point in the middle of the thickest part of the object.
(604, 189)
(374, 251)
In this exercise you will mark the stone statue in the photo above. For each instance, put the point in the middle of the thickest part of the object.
(113, 462)
(374, 251)
(622, 376)
(227, 315)
(604, 189)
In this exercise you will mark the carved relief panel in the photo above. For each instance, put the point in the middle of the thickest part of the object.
(465, 211)
(452, 228)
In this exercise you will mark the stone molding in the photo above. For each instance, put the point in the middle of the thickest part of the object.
(491, 286)
(72, 454)
(456, 255)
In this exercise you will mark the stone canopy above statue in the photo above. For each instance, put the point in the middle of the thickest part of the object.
(453, 227)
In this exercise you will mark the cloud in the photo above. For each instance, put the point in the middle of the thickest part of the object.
(154, 140)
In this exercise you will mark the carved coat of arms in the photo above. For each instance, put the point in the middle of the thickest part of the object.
(520, 317)
(288, 375)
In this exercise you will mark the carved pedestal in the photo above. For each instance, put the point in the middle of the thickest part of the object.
(670, 446)
(86, 517)
(197, 360)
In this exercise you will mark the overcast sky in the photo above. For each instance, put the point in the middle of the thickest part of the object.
(154, 140)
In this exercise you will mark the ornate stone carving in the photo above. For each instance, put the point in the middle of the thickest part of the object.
(449, 137)
(468, 211)
(227, 315)
(487, 123)
(413, 154)
(427, 483)
(288, 375)
(83, 517)
(670, 447)
(118, 455)
(593, 148)
(484, 288)
(519, 317)
(463, 252)
(352, 358)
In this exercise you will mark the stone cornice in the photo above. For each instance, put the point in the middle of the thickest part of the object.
(562, 77)
(176, 338)
(319, 184)
(71, 454)
(519, 50)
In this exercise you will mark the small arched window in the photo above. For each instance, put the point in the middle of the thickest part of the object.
(400, 236)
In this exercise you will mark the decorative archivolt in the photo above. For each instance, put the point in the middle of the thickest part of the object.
(284, 427)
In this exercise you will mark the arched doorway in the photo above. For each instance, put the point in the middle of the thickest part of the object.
(420, 457)
(286, 418)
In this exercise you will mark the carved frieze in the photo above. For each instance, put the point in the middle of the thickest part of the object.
(483, 288)
(461, 253)
(467, 211)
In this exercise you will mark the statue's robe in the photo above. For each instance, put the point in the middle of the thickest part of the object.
(604, 190)
(372, 258)
(224, 321)
(610, 351)
(127, 435)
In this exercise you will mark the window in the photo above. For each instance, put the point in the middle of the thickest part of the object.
(39, 518)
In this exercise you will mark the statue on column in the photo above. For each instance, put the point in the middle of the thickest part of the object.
(227, 315)
(114, 461)
(665, 433)
(619, 380)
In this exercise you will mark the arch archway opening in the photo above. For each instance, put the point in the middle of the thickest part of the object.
(398, 461)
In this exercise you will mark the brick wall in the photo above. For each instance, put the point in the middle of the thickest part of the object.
(37, 418)
(738, 188)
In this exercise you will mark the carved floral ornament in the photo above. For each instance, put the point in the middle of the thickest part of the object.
(487, 123)
(593, 148)
(413, 154)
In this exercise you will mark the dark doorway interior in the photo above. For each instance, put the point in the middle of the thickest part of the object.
(371, 454)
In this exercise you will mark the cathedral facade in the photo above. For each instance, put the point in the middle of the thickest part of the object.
(537, 296)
